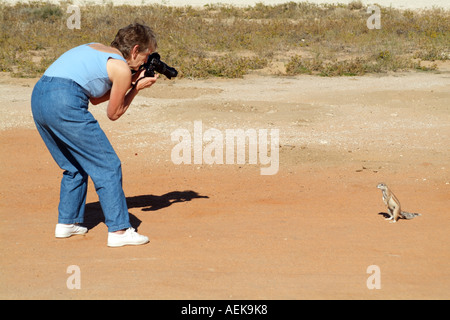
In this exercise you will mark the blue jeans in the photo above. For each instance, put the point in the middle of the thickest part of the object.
(80, 147)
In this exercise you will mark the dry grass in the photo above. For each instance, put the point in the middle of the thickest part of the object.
(228, 41)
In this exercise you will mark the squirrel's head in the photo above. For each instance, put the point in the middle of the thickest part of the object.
(381, 186)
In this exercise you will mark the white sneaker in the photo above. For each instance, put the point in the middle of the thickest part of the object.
(68, 230)
(130, 237)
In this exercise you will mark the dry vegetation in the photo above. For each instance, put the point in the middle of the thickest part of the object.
(228, 41)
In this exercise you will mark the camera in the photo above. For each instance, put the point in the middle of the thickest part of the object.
(154, 63)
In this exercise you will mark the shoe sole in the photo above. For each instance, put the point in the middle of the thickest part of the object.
(127, 244)
(68, 235)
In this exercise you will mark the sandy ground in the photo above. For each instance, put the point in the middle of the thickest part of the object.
(225, 231)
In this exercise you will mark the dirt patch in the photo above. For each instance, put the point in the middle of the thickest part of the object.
(226, 231)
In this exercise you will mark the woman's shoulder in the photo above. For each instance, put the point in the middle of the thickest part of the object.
(116, 67)
(103, 48)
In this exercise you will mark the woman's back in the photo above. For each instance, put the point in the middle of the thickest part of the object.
(86, 65)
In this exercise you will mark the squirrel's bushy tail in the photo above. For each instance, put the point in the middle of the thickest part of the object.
(408, 215)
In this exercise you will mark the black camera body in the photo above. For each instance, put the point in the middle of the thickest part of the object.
(154, 63)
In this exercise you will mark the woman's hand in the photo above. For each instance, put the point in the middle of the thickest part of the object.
(143, 82)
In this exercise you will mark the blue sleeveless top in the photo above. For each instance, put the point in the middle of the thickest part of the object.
(87, 67)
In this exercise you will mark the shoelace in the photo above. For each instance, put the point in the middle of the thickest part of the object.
(132, 232)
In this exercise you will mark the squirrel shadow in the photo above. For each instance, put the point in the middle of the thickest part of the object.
(384, 214)
(93, 214)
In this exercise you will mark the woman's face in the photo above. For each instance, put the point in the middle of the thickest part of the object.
(137, 59)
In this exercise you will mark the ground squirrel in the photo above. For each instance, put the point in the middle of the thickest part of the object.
(394, 209)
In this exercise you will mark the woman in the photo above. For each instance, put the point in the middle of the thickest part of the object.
(92, 73)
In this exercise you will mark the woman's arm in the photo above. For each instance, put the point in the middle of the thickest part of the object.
(120, 96)
(105, 97)
(101, 99)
